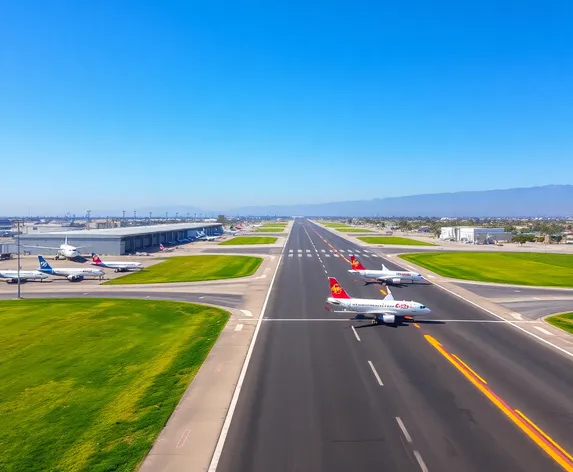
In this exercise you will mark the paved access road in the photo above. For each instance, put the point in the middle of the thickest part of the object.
(322, 396)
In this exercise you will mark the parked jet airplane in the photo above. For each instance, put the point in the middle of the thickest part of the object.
(382, 311)
(232, 231)
(117, 266)
(162, 248)
(385, 275)
(73, 275)
(203, 237)
(11, 276)
(65, 250)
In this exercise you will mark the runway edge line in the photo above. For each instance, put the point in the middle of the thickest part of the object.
(234, 400)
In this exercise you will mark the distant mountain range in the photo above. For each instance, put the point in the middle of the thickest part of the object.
(545, 201)
(550, 200)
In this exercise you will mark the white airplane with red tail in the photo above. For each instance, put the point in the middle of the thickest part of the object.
(386, 310)
(385, 275)
(117, 266)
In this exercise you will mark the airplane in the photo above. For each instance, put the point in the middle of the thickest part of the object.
(203, 237)
(385, 310)
(117, 266)
(233, 230)
(66, 250)
(73, 275)
(385, 275)
(162, 248)
(11, 276)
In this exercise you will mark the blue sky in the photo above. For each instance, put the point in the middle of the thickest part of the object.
(225, 104)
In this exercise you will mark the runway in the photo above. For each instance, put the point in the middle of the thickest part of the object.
(348, 395)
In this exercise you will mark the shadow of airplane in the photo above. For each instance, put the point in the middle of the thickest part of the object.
(398, 323)
(399, 285)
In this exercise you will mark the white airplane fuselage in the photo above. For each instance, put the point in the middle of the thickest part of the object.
(12, 275)
(68, 251)
(384, 311)
(74, 274)
(118, 266)
(393, 276)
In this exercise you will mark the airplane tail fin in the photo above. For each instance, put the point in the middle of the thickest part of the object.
(389, 296)
(95, 258)
(356, 265)
(44, 263)
(336, 289)
(161, 247)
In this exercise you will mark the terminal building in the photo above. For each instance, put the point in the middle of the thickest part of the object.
(118, 241)
(474, 235)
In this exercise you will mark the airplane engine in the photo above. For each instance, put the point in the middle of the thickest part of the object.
(396, 280)
(388, 318)
(75, 278)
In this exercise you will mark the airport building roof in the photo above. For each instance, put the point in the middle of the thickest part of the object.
(120, 232)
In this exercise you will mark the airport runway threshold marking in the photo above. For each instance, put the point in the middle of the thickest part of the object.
(331, 246)
(549, 446)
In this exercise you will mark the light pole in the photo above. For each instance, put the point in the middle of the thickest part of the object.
(19, 259)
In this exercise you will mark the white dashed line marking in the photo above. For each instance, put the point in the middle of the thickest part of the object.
(239, 327)
(355, 333)
(375, 373)
(404, 430)
(420, 461)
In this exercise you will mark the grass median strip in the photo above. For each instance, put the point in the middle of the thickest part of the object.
(87, 385)
(244, 240)
(269, 230)
(394, 240)
(563, 321)
(192, 269)
(354, 230)
(552, 270)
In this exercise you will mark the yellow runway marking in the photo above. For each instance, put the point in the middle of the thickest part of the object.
(533, 425)
(416, 325)
(549, 446)
(469, 368)
(382, 291)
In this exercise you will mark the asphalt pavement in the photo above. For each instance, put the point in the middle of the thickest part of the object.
(327, 393)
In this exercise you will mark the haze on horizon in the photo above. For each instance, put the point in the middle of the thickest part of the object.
(219, 106)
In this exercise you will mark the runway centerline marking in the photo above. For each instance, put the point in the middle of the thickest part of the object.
(539, 437)
(375, 373)
(355, 334)
(421, 462)
(403, 428)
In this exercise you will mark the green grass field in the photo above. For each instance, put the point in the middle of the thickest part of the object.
(564, 321)
(552, 270)
(87, 385)
(394, 240)
(243, 240)
(279, 225)
(336, 225)
(269, 230)
(192, 269)
(353, 230)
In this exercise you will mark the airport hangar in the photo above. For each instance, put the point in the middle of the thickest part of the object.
(118, 241)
